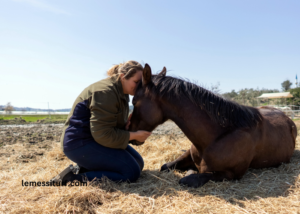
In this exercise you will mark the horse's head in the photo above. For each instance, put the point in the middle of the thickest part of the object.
(147, 112)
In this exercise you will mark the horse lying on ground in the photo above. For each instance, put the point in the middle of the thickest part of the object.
(227, 138)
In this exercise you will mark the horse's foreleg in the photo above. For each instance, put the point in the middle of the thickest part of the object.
(184, 162)
(228, 158)
(198, 180)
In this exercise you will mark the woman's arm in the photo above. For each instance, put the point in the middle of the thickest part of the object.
(140, 136)
(103, 120)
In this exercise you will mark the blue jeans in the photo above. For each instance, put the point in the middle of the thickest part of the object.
(115, 164)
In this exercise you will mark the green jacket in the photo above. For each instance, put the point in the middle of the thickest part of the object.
(99, 112)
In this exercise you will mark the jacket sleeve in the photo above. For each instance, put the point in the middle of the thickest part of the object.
(103, 121)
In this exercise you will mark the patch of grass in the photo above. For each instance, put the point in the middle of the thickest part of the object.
(30, 118)
(8, 117)
(35, 118)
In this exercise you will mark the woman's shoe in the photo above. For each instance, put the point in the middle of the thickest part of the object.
(66, 175)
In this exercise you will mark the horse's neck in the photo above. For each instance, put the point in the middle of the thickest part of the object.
(192, 120)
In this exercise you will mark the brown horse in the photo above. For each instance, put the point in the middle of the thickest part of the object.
(227, 138)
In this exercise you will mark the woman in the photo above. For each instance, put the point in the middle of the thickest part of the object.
(95, 135)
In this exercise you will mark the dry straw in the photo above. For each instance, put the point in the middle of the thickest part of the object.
(271, 190)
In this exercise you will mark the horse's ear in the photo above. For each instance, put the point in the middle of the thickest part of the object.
(163, 72)
(147, 74)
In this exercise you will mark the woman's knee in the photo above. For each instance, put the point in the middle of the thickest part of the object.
(141, 163)
(134, 175)
(138, 158)
(131, 172)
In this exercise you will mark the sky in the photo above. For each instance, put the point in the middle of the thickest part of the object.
(50, 50)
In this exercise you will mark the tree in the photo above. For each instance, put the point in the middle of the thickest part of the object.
(215, 88)
(296, 97)
(8, 108)
(248, 96)
(286, 85)
(230, 95)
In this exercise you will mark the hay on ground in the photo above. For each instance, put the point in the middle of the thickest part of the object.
(271, 190)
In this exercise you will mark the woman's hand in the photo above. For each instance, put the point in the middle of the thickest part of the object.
(141, 135)
(128, 122)
(138, 138)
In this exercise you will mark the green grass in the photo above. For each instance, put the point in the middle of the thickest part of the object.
(35, 118)
(9, 117)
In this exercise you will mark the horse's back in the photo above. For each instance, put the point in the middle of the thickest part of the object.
(277, 136)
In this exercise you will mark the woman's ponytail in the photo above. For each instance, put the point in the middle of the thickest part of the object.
(113, 71)
(128, 68)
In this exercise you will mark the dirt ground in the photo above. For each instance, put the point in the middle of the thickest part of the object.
(28, 143)
(32, 153)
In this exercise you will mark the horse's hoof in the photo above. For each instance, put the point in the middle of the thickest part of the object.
(164, 168)
(194, 180)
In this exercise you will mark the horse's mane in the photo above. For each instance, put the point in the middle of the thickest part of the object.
(224, 112)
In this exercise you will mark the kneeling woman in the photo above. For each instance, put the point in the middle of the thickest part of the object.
(95, 135)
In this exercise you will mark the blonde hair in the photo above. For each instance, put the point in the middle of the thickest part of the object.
(128, 68)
